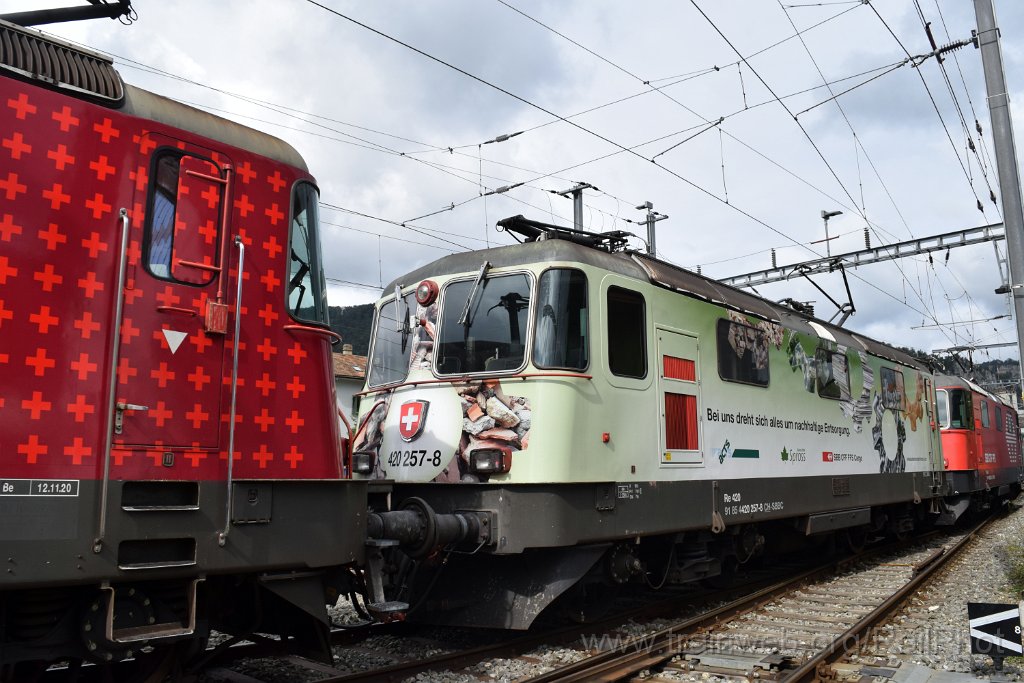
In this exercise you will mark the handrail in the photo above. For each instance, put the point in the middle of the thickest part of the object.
(315, 330)
(222, 537)
(197, 265)
(115, 348)
(474, 378)
(346, 464)
(175, 309)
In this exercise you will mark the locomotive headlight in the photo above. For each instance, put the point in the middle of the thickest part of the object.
(426, 292)
(362, 463)
(490, 460)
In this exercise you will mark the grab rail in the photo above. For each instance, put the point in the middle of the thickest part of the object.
(222, 537)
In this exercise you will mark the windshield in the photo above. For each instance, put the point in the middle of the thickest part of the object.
(389, 358)
(307, 291)
(560, 323)
(493, 338)
(942, 399)
(960, 410)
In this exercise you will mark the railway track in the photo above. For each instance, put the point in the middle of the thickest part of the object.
(793, 630)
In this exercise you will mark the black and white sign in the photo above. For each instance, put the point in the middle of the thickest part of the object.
(995, 629)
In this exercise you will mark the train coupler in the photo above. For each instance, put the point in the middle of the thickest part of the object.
(380, 609)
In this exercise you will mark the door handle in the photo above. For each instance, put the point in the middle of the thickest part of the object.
(119, 409)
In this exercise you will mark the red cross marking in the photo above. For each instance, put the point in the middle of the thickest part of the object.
(244, 206)
(197, 416)
(80, 408)
(276, 181)
(44, 320)
(247, 241)
(86, 325)
(60, 157)
(294, 421)
(40, 362)
(78, 450)
(99, 207)
(293, 457)
(160, 414)
(268, 314)
(246, 172)
(212, 196)
(168, 297)
(119, 456)
(131, 293)
(263, 456)
(12, 187)
(162, 375)
(52, 236)
(57, 196)
(145, 143)
(106, 130)
(36, 406)
(7, 314)
(141, 178)
(272, 247)
(129, 331)
(264, 420)
(21, 106)
(209, 231)
(83, 366)
(102, 168)
(32, 449)
(90, 284)
(295, 386)
(274, 213)
(48, 278)
(266, 349)
(200, 341)
(265, 384)
(270, 280)
(134, 252)
(16, 143)
(199, 378)
(94, 245)
(8, 227)
(65, 118)
(125, 371)
(6, 270)
(297, 353)
(195, 457)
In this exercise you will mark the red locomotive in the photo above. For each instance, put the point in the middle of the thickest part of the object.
(981, 445)
(162, 307)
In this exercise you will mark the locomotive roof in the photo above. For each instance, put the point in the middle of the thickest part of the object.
(33, 56)
(945, 381)
(648, 269)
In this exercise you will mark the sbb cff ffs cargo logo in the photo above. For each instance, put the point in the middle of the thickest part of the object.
(412, 417)
(826, 456)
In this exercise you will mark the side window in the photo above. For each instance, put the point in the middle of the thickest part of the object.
(984, 414)
(561, 329)
(306, 291)
(627, 333)
(999, 418)
(942, 402)
(182, 219)
(742, 353)
(833, 375)
(893, 395)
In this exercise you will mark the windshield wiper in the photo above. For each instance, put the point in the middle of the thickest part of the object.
(464, 318)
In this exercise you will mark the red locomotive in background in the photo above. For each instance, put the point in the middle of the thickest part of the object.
(169, 445)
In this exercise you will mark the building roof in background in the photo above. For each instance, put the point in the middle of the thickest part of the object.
(348, 365)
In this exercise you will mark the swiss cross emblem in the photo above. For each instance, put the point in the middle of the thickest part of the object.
(412, 418)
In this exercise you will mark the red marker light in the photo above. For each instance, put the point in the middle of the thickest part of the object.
(426, 292)
(606, 437)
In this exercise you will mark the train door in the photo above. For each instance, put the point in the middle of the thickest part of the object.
(172, 339)
(678, 392)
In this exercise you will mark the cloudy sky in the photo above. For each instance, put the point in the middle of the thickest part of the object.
(392, 104)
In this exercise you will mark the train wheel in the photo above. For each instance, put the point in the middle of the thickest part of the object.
(854, 539)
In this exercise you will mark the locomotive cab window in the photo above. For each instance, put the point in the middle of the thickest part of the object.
(389, 356)
(306, 290)
(984, 414)
(742, 353)
(483, 325)
(999, 418)
(560, 326)
(183, 218)
(960, 409)
(627, 333)
(942, 405)
(833, 375)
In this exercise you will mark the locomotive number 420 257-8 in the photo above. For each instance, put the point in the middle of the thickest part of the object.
(415, 458)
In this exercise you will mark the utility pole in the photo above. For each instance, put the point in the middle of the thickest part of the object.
(1006, 156)
(652, 218)
(577, 202)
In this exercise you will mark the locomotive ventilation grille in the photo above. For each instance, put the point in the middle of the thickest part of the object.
(32, 56)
